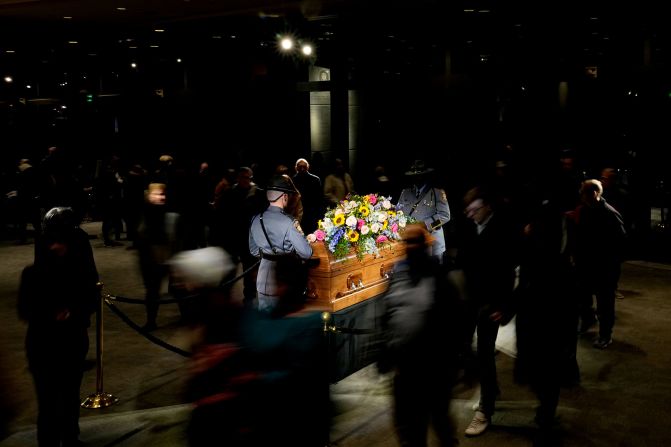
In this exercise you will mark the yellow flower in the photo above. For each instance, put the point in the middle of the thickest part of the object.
(352, 235)
(319, 225)
(385, 224)
(363, 209)
(366, 199)
(338, 220)
(392, 214)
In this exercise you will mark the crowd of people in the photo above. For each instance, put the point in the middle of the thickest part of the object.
(539, 254)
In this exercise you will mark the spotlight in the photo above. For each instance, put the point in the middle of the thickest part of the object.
(307, 50)
(9, 79)
(286, 43)
(133, 65)
(179, 60)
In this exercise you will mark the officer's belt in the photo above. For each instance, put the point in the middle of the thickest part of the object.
(274, 257)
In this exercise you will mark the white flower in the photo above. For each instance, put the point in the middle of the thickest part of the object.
(365, 229)
(386, 204)
(375, 228)
(399, 213)
(381, 216)
(327, 224)
(311, 238)
(351, 221)
(352, 204)
(402, 221)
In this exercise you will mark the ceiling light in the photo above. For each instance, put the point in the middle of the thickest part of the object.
(73, 42)
(286, 43)
(159, 30)
(153, 46)
(121, 8)
(67, 17)
(179, 60)
(307, 50)
(133, 65)
(10, 51)
(484, 11)
(9, 79)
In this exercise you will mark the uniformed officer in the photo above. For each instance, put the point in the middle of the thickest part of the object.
(274, 235)
(426, 204)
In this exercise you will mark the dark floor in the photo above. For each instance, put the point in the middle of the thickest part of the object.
(621, 401)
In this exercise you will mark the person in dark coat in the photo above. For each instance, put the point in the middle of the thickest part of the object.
(487, 259)
(547, 309)
(310, 188)
(600, 242)
(57, 296)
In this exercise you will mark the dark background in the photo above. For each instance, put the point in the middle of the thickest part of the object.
(452, 82)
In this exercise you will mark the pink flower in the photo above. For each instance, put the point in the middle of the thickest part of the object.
(381, 239)
(320, 235)
(394, 228)
(372, 199)
(360, 224)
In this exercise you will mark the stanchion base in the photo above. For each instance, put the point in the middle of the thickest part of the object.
(99, 400)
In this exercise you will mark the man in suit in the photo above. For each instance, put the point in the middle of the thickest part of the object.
(486, 258)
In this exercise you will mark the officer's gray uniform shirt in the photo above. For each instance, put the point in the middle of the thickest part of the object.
(283, 232)
(431, 208)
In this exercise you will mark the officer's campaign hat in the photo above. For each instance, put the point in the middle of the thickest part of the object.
(418, 167)
(281, 183)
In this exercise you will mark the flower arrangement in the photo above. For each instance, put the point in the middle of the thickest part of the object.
(365, 223)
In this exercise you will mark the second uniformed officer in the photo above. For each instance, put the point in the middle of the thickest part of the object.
(427, 204)
(275, 235)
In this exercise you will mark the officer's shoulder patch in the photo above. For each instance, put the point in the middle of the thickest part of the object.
(297, 226)
(443, 196)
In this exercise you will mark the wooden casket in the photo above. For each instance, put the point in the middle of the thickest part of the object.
(337, 284)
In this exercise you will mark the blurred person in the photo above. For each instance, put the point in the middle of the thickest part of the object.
(547, 309)
(273, 236)
(310, 188)
(287, 352)
(338, 184)
(600, 241)
(486, 256)
(216, 382)
(419, 342)
(427, 204)
(158, 239)
(57, 296)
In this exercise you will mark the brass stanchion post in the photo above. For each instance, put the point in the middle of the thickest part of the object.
(99, 399)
